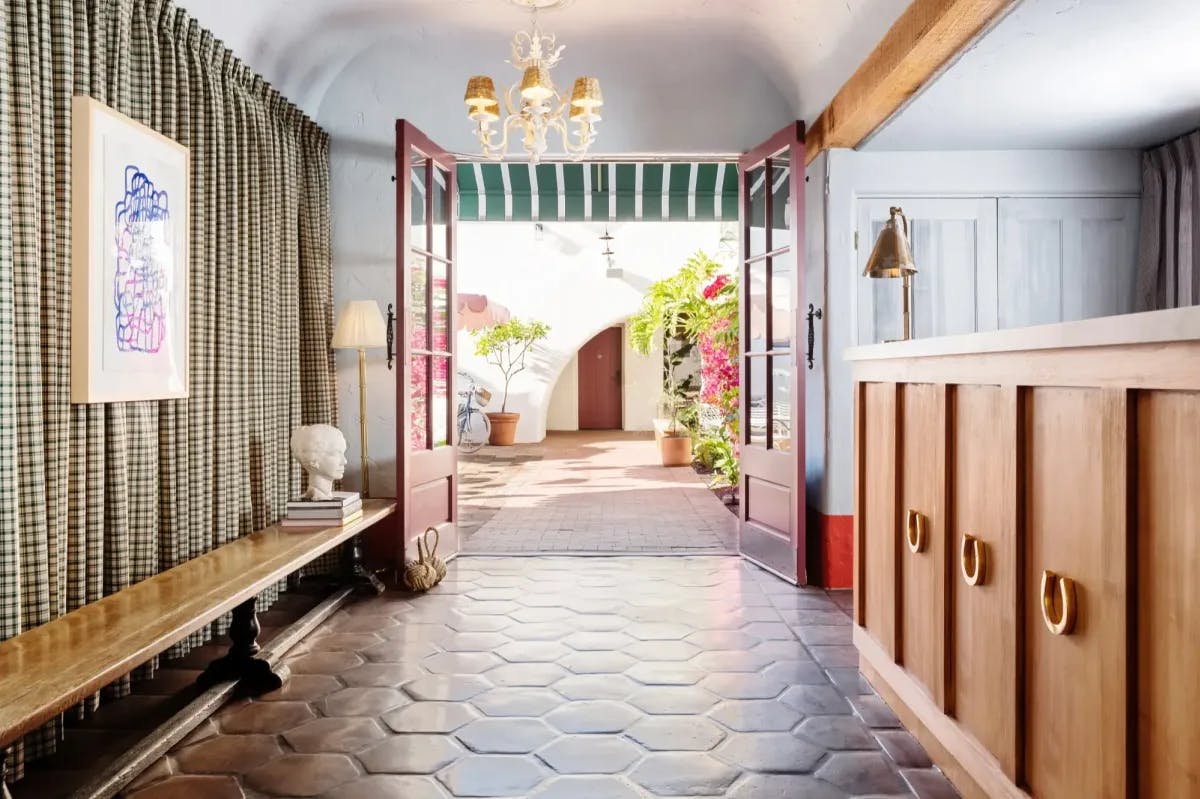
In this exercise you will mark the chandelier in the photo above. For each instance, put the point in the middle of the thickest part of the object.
(533, 107)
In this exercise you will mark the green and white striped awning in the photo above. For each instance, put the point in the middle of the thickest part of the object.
(597, 192)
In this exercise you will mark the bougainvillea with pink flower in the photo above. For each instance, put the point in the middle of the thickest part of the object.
(718, 347)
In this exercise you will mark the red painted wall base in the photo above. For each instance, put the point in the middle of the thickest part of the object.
(831, 550)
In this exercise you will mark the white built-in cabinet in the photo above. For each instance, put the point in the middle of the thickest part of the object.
(987, 263)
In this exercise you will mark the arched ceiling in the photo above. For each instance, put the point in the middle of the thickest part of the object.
(693, 63)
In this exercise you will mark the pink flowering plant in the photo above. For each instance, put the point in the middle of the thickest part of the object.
(697, 308)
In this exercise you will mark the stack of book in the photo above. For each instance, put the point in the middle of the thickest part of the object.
(345, 507)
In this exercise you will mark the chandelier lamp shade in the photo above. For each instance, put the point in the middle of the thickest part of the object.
(533, 107)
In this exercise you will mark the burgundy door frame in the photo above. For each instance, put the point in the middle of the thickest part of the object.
(424, 468)
(773, 468)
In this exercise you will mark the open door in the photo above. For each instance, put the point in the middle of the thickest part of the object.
(771, 529)
(426, 457)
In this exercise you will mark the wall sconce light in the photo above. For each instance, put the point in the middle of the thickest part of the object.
(391, 336)
(891, 258)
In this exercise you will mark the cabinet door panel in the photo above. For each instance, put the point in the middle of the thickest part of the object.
(923, 586)
(954, 243)
(1168, 594)
(984, 479)
(1066, 258)
(877, 513)
(1075, 700)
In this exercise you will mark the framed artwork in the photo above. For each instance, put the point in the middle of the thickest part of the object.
(130, 227)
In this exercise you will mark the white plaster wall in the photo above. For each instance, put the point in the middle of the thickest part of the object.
(851, 175)
(564, 401)
(642, 377)
(559, 278)
(816, 442)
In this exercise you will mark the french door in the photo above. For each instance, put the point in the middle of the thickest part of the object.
(427, 461)
(771, 529)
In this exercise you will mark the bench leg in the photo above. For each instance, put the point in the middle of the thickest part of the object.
(356, 573)
(253, 674)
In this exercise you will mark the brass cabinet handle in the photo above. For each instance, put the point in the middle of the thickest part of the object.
(914, 531)
(1065, 621)
(972, 559)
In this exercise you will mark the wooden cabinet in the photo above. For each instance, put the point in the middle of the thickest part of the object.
(1043, 641)
(923, 517)
(877, 519)
(1168, 597)
(984, 525)
(1074, 717)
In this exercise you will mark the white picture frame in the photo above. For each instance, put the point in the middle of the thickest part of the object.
(130, 231)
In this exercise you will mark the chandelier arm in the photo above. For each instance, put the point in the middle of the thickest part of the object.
(493, 150)
(576, 152)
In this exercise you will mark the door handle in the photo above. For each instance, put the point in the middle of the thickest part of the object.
(914, 531)
(813, 313)
(1062, 622)
(972, 559)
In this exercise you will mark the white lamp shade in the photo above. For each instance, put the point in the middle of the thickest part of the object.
(360, 325)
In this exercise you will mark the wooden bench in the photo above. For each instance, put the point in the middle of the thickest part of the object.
(50, 668)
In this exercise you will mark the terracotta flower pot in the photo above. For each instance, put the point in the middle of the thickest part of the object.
(504, 429)
(676, 450)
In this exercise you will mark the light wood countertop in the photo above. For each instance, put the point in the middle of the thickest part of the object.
(1154, 327)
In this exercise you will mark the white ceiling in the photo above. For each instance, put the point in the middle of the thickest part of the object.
(1064, 74)
(791, 54)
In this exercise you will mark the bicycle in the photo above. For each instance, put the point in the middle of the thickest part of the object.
(474, 428)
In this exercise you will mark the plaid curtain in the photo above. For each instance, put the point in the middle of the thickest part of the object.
(94, 498)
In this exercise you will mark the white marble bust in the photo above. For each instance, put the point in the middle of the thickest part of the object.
(321, 450)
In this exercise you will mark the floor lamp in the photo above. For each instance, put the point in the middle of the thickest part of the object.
(359, 326)
(892, 257)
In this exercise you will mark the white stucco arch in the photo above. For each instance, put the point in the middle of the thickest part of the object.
(560, 278)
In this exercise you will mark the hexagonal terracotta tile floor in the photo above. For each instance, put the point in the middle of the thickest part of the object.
(580, 678)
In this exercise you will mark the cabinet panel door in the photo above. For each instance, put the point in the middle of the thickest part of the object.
(1168, 604)
(878, 536)
(1066, 258)
(923, 586)
(954, 246)
(1075, 487)
(984, 482)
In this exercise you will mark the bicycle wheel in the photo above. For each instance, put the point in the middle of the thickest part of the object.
(473, 431)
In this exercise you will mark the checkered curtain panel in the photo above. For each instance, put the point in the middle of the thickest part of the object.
(94, 498)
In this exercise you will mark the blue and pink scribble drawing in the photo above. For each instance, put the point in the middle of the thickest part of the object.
(144, 263)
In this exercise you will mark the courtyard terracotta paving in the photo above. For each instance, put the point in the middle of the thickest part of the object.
(588, 492)
(566, 678)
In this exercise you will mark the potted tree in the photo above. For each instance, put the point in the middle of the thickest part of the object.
(674, 310)
(505, 346)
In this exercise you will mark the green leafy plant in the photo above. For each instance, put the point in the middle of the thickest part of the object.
(706, 449)
(505, 346)
(725, 465)
(675, 311)
(674, 306)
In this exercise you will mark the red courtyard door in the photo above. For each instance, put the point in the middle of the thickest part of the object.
(771, 529)
(600, 382)
(427, 462)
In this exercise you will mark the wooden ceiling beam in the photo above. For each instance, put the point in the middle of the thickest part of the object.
(921, 43)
